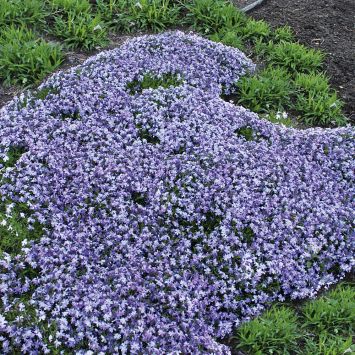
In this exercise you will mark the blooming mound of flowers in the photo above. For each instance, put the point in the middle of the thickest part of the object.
(168, 215)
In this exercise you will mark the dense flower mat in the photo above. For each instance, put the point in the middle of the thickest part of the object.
(169, 215)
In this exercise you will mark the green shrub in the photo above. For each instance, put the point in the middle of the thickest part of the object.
(276, 332)
(26, 59)
(209, 16)
(295, 57)
(269, 90)
(80, 31)
(20, 12)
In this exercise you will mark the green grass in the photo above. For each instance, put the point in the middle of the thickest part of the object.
(26, 59)
(276, 331)
(318, 327)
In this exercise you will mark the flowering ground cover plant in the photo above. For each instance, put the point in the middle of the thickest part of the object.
(167, 215)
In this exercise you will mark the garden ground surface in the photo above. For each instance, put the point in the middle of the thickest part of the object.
(322, 24)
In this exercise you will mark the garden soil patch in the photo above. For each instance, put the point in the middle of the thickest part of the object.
(323, 24)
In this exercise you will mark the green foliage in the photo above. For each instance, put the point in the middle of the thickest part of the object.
(327, 344)
(210, 16)
(312, 82)
(14, 228)
(276, 332)
(333, 313)
(151, 81)
(25, 58)
(229, 38)
(130, 15)
(317, 103)
(113, 12)
(246, 132)
(21, 12)
(67, 6)
(283, 33)
(268, 90)
(80, 30)
(295, 57)
(153, 15)
(320, 108)
(323, 327)
(256, 29)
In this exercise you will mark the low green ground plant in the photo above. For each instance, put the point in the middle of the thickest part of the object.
(268, 90)
(256, 30)
(295, 57)
(145, 15)
(69, 6)
(229, 38)
(210, 16)
(275, 332)
(26, 59)
(83, 31)
(318, 327)
(316, 102)
(21, 12)
(283, 34)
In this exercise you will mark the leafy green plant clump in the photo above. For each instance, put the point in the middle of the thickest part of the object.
(80, 30)
(295, 57)
(129, 15)
(21, 12)
(320, 327)
(317, 102)
(268, 90)
(210, 16)
(26, 59)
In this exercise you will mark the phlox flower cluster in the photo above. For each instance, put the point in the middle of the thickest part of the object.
(169, 215)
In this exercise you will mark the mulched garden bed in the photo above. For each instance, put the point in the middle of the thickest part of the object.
(323, 24)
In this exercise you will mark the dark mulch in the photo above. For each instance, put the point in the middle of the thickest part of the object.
(324, 24)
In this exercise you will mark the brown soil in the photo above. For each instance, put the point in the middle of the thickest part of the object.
(324, 24)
